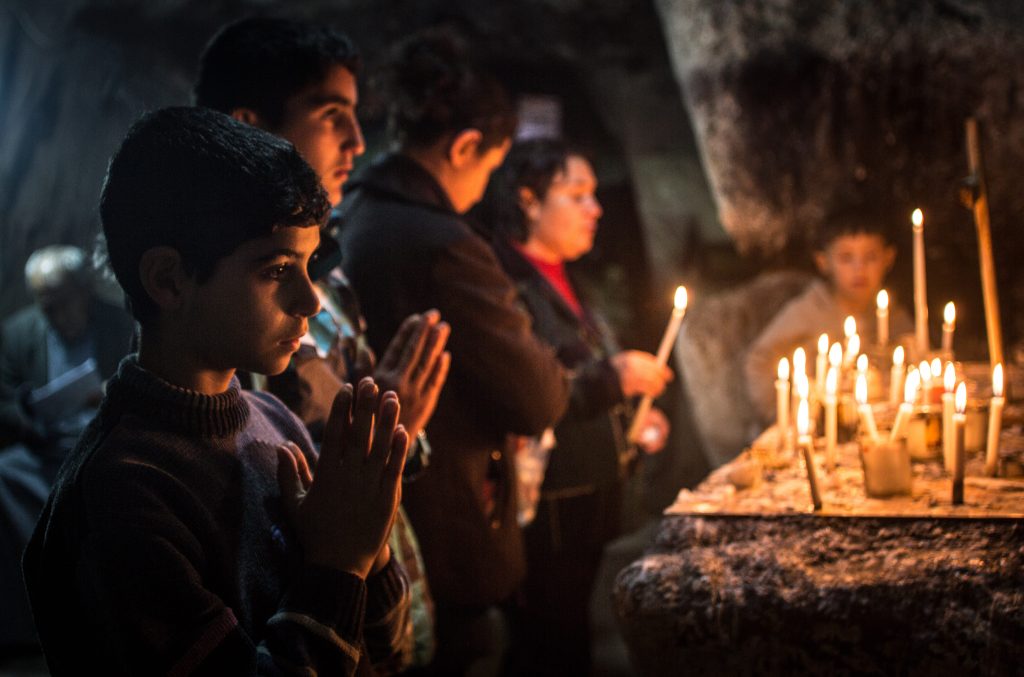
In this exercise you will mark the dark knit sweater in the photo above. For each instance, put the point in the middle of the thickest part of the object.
(164, 547)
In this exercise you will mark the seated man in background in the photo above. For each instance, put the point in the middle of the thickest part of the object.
(853, 254)
(54, 355)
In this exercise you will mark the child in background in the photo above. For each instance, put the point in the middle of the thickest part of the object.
(853, 253)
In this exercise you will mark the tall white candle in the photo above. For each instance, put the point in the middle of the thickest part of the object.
(920, 291)
(867, 417)
(949, 384)
(667, 341)
(782, 398)
(800, 361)
(831, 417)
(806, 444)
(959, 425)
(820, 365)
(882, 315)
(995, 421)
(906, 407)
(896, 375)
(948, 327)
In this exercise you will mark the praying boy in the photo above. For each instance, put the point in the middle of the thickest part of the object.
(187, 532)
(853, 254)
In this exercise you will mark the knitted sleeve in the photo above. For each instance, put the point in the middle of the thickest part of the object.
(152, 586)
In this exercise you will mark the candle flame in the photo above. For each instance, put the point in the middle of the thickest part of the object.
(897, 356)
(917, 218)
(783, 369)
(883, 300)
(823, 343)
(849, 326)
(910, 387)
(997, 380)
(803, 386)
(681, 298)
(926, 371)
(861, 389)
(949, 377)
(936, 367)
(862, 363)
(960, 399)
(835, 354)
(803, 419)
(949, 314)
(832, 381)
(799, 361)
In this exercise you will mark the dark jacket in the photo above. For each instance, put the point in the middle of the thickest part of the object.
(23, 359)
(591, 437)
(405, 251)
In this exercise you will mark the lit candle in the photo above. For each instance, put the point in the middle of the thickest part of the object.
(896, 375)
(882, 315)
(948, 327)
(831, 417)
(800, 361)
(849, 331)
(920, 292)
(852, 349)
(821, 364)
(906, 407)
(936, 366)
(862, 364)
(995, 421)
(667, 341)
(867, 417)
(803, 426)
(949, 384)
(925, 369)
(782, 399)
(959, 423)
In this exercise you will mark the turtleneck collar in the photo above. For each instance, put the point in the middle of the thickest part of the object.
(144, 393)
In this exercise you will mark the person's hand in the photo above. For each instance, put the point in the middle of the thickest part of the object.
(343, 512)
(654, 431)
(415, 366)
(640, 374)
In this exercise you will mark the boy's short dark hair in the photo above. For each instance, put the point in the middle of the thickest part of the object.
(202, 183)
(261, 62)
(532, 164)
(853, 219)
(434, 87)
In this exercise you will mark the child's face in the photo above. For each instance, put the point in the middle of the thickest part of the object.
(252, 311)
(857, 265)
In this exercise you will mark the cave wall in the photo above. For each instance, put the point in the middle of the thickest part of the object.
(800, 107)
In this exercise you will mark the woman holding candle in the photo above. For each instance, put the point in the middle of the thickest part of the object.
(543, 212)
(853, 254)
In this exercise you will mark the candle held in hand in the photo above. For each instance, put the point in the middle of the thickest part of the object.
(667, 341)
